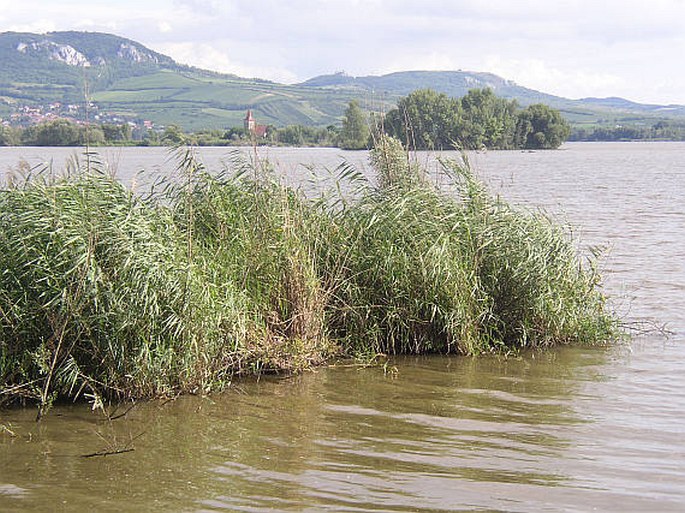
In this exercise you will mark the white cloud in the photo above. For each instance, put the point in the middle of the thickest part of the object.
(209, 57)
(431, 61)
(92, 24)
(570, 47)
(39, 26)
(536, 74)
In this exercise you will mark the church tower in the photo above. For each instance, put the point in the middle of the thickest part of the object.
(249, 122)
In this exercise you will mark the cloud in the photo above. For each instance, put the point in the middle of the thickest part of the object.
(209, 57)
(428, 61)
(91, 24)
(536, 74)
(40, 26)
(569, 47)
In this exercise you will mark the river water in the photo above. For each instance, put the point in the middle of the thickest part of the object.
(574, 429)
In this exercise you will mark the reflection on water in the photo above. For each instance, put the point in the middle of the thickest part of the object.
(547, 431)
(567, 430)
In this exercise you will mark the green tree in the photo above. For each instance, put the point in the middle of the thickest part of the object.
(173, 135)
(300, 135)
(425, 120)
(150, 138)
(60, 132)
(116, 133)
(8, 136)
(92, 135)
(355, 129)
(236, 134)
(541, 127)
(292, 135)
(488, 121)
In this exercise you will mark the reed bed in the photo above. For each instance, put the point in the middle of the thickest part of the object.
(105, 293)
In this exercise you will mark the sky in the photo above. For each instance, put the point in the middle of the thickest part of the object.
(571, 48)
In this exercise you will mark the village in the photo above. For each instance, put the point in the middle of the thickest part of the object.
(22, 116)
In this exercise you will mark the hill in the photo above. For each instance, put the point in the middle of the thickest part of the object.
(55, 66)
(587, 111)
(47, 75)
(452, 83)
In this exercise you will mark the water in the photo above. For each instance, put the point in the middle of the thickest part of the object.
(566, 430)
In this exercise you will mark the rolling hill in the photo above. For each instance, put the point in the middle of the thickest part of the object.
(53, 74)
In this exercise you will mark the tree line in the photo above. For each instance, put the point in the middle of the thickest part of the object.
(659, 131)
(63, 132)
(423, 120)
(428, 120)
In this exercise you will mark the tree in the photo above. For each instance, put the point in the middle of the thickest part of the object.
(91, 135)
(8, 136)
(150, 138)
(236, 134)
(60, 132)
(541, 127)
(293, 135)
(173, 135)
(355, 129)
(425, 120)
(116, 133)
(488, 121)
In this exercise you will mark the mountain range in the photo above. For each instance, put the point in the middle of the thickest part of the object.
(52, 74)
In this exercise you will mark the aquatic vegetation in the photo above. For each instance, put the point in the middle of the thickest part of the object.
(107, 293)
(457, 270)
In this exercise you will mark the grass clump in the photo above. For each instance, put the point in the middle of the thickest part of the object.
(462, 271)
(251, 233)
(97, 292)
(108, 293)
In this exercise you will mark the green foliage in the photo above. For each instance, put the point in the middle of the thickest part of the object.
(60, 132)
(151, 138)
(422, 270)
(488, 121)
(300, 135)
(427, 120)
(355, 128)
(393, 165)
(541, 127)
(256, 236)
(659, 131)
(67, 133)
(223, 273)
(8, 136)
(114, 134)
(173, 136)
(295, 135)
(98, 293)
(63, 132)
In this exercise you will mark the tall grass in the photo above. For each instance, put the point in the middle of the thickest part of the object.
(107, 293)
(456, 270)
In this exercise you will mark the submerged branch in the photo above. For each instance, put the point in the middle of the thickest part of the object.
(106, 452)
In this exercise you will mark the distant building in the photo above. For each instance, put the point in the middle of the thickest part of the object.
(251, 126)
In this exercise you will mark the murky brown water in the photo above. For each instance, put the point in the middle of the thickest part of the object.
(567, 430)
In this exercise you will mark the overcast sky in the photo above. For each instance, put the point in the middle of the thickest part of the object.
(572, 48)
